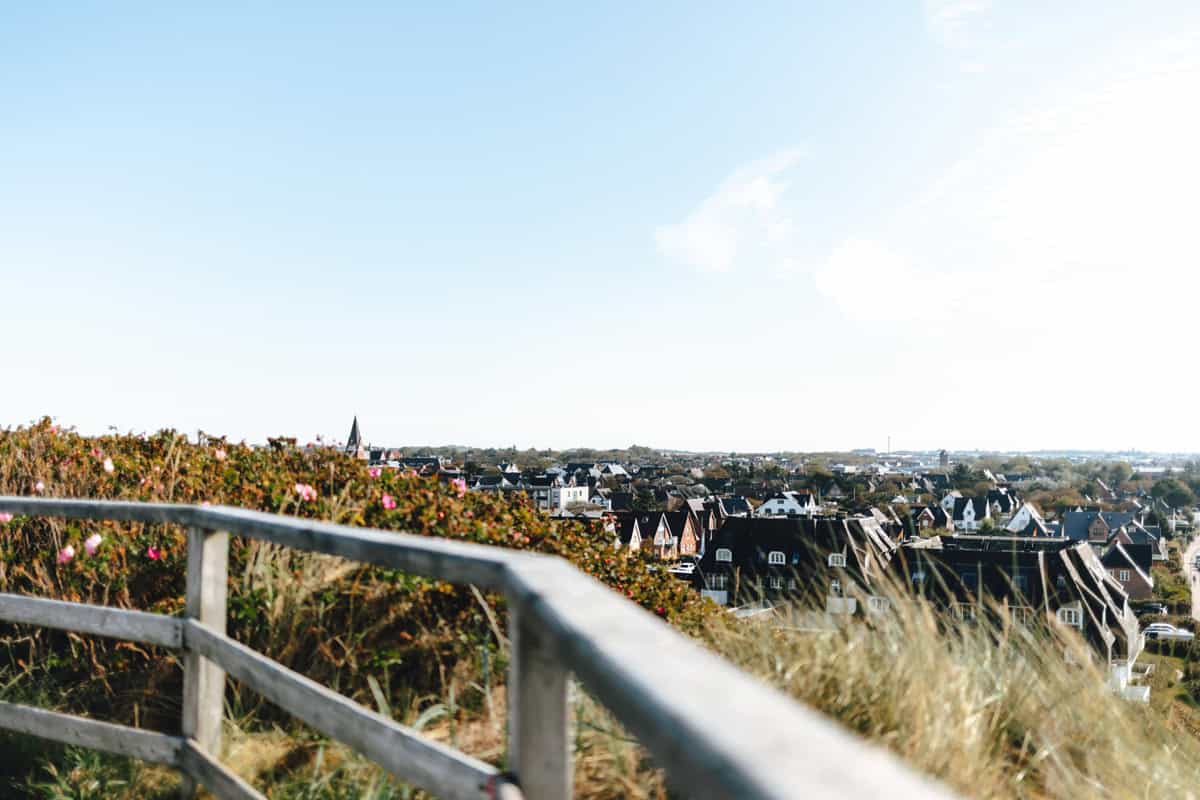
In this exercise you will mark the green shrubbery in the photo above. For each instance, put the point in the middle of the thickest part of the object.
(339, 623)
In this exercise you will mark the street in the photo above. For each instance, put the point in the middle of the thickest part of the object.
(1189, 557)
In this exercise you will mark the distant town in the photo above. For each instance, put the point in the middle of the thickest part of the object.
(1083, 537)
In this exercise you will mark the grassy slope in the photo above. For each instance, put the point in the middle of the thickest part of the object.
(996, 713)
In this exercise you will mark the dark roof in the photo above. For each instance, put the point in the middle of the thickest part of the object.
(1076, 523)
(733, 506)
(354, 440)
(980, 505)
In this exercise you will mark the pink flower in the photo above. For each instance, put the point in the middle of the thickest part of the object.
(153, 553)
(374, 472)
(389, 502)
(206, 503)
(307, 493)
(108, 466)
(66, 554)
(5, 517)
(219, 454)
(460, 486)
(39, 487)
(96, 452)
(92, 544)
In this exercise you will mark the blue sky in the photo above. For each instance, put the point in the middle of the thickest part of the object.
(786, 226)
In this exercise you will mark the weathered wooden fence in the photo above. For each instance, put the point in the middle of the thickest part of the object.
(717, 732)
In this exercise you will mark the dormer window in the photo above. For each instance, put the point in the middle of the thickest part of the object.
(1072, 616)
(776, 557)
(724, 555)
(837, 560)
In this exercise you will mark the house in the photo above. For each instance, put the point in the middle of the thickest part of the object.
(655, 531)
(1025, 580)
(704, 513)
(833, 492)
(683, 529)
(970, 512)
(1130, 570)
(1094, 526)
(1027, 521)
(949, 500)
(1003, 504)
(626, 531)
(736, 506)
(927, 518)
(495, 483)
(834, 560)
(552, 493)
(788, 504)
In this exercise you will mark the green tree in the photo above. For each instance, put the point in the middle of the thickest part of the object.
(1179, 497)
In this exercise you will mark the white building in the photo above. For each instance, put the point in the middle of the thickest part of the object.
(788, 504)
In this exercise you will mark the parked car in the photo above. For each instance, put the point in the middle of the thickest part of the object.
(684, 568)
(1161, 630)
(1151, 609)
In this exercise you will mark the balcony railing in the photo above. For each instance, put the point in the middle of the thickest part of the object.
(717, 732)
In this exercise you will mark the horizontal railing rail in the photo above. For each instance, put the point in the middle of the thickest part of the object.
(717, 732)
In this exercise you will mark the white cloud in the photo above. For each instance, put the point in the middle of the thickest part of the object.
(741, 216)
(1075, 220)
(949, 20)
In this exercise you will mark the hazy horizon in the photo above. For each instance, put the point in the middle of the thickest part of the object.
(781, 227)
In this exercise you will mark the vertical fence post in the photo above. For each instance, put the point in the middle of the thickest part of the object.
(539, 748)
(204, 681)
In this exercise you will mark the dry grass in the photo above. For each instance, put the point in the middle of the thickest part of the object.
(994, 711)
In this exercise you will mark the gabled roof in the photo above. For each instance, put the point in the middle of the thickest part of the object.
(627, 526)
(979, 504)
(1076, 523)
(1117, 556)
(734, 506)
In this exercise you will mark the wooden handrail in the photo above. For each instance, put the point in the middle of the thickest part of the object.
(716, 731)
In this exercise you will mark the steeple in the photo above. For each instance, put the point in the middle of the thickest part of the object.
(354, 441)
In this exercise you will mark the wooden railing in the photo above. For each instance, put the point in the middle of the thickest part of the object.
(716, 731)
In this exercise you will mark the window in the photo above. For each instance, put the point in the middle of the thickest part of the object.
(1061, 581)
(918, 576)
(717, 581)
(774, 583)
(724, 554)
(1021, 615)
(1071, 616)
(791, 583)
(837, 560)
(776, 557)
(963, 611)
(1123, 576)
(835, 586)
(796, 558)
(877, 604)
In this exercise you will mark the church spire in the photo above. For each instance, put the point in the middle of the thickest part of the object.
(354, 442)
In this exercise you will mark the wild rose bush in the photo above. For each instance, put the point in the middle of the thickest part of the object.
(334, 621)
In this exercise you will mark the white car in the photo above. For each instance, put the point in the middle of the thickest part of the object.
(1161, 630)
(683, 568)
